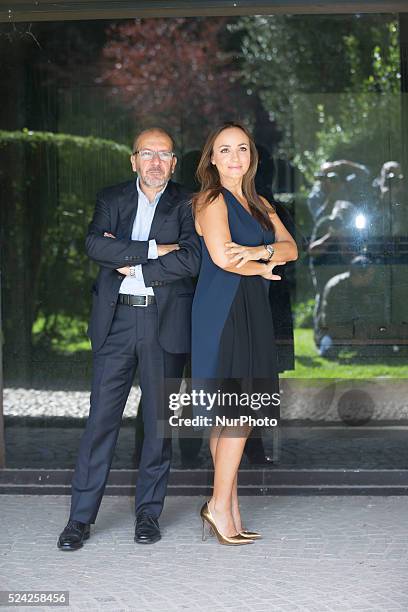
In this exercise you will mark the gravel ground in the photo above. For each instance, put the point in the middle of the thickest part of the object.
(38, 403)
(318, 400)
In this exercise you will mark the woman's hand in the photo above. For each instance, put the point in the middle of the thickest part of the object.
(125, 270)
(240, 255)
(164, 249)
(269, 270)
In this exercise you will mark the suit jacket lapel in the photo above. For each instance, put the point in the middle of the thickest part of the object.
(162, 208)
(127, 210)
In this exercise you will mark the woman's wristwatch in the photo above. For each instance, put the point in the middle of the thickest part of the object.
(270, 250)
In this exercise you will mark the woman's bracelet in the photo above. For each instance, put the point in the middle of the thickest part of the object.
(270, 250)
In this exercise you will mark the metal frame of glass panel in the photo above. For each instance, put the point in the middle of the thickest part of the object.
(56, 10)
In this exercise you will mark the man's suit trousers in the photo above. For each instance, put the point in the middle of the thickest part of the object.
(133, 342)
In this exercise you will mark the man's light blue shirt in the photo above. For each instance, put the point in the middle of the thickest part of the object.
(135, 285)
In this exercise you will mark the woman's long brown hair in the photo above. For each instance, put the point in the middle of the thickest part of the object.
(209, 179)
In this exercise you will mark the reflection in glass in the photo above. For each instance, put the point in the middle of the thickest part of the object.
(327, 114)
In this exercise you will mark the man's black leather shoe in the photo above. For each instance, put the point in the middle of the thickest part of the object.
(147, 529)
(73, 535)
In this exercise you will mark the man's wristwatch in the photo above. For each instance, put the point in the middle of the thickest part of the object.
(270, 250)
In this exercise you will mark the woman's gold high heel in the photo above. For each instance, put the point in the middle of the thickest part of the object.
(253, 535)
(235, 540)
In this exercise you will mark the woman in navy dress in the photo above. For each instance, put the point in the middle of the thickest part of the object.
(233, 341)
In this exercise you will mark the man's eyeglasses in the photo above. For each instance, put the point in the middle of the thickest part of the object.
(148, 155)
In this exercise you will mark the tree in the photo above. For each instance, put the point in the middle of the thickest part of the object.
(44, 216)
(176, 72)
(298, 65)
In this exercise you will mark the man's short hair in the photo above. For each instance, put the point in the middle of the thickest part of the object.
(157, 130)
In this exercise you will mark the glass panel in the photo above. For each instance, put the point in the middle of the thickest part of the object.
(322, 96)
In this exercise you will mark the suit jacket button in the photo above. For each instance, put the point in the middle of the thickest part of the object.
(119, 276)
(113, 303)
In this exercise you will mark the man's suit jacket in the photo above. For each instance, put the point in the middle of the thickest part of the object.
(171, 276)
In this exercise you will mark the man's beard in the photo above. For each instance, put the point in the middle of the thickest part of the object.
(152, 181)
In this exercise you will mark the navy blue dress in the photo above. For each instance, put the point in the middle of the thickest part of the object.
(232, 328)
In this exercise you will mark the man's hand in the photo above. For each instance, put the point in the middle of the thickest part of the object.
(268, 270)
(164, 249)
(108, 235)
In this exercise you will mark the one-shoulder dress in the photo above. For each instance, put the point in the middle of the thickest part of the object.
(232, 328)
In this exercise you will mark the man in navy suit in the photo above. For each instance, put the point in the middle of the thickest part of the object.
(143, 238)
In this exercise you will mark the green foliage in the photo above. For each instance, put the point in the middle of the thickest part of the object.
(297, 66)
(61, 333)
(303, 313)
(56, 197)
(89, 143)
(366, 115)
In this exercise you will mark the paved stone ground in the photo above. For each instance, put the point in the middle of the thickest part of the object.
(318, 554)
